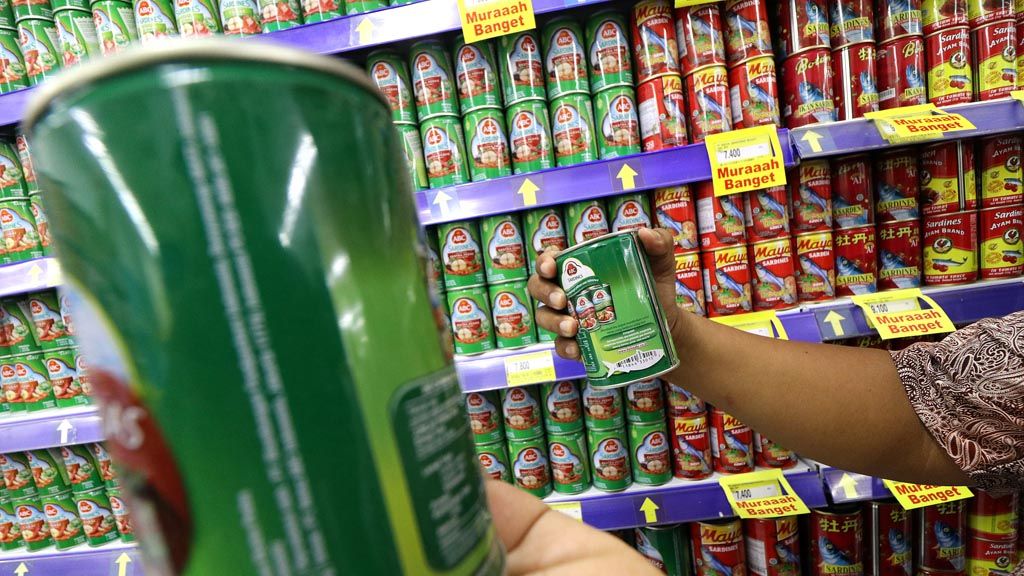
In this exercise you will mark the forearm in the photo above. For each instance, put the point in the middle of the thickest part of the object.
(839, 405)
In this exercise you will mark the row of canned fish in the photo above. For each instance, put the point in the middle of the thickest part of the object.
(23, 221)
(978, 537)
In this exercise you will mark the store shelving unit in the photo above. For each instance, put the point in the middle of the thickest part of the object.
(29, 276)
(80, 561)
(843, 487)
(49, 428)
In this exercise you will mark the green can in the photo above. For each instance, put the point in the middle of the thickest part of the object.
(585, 221)
(17, 475)
(63, 374)
(544, 229)
(363, 6)
(47, 322)
(391, 75)
(543, 334)
(65, 4)
(32, 9)
(276, 15)
(154, 19)
(572, 130)
(21, 239)
(476, 75)
(635, 345)
(83, 472)
(444, 151)
(494, 462)
(97, 517)
(197, 18)
(10, 385)
(77, 34)
(667, 547)
(6, 14)
(37, 38)
(609, 49)
(609, 459)
(563, 407)
(25, 156)
(104, 463)
(12, 75)
(16, 328)
(432, 85)
(618, 123)
(409, 135)
(35, 205)
(122, 516)
(629, 212)
(522, 68)
(48, 471)
(240, 18)
(570, 462)
(403, 419)
(512, 315)
(565, 60)
(650, 451)
(83, 374)
(65, 526)
(321, 10)
(530, 136)
(522, 412)
(530, 468)
(10, 528)
(485, 419)
(505, 258)
(12, 182)
(435, 270)
(645, 403)
(36, 390)
(35, 532)
(602, 408)
(487, 143)
(115, 25)
(470, 316)
(461, 255)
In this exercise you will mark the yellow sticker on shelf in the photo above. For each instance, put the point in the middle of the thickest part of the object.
(917, 123)
(483, 19)
(764, 323)
(531, 368)
(912, 496)
(748, 159)
(762, 494)
(571, 509)
(686, 3)
(1018, 95)
(898, 314)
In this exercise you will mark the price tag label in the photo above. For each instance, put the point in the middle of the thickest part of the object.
(686, 3)
(762, 494)
(483, 19)
(532, 368)
(573, 510)
(765, 323)
(1018, 95)
(748, 159)
(54, 276)
(917, 123)
(898, 314)
(912, 496)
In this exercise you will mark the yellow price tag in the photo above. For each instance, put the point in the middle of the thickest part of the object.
(898, 314)
(532, 368)
(762, 494)
(687, 3)
(764, 323)
(748, 159)
(917, 123)
(483, 19)
(912, 496)
(1017, 95)
(573, 510)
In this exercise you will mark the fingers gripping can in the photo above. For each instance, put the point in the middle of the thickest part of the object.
(470, 314)
(391, 75)
(530, 136)
(856, 261)
(701, 36)
(1001, 253)
(444, 151)
(563, 407)
(487, 144)
(586, 221)
(852, 22)
(476, 75)
(485, 419)
(610, 459)
(708, 96)
(650, 450)
(570, 462)
(602, 408)
(544, 228)
(636, 344)
(663, 113)
(807, 86)
(855, 80)
(665, 547)
(994, 49)
(901, 73)
(816, 267)
(617, 123)
(200, 18)
(754, 93)
(950, 79)
(494, 461)
(1001, 182)
(675, 209)
(565, 60)
(572, 130)
(899, 255)
(691, 447)
(432, 83)
(774, 277)
(690, 283)
(522, 67)
(609, 51)
(512, 315)
(747, 34)
(655, 46)
(727, 288)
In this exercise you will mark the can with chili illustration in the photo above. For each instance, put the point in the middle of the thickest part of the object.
(662, 111)
(770, 454)
(727, 286)
(199, 18)
(852, 200)
(803, 24)
(444, 151)
(747, 33)
(512, 315)
(766, 213)
(807, 88)
(563, 407)
(565, 59)
(1001, 253)
(887, 539)
(602, 408)
(947, 178)
(629, 212)
(485, 419)
(901, 73)
(476, 75)
(1001, 183)
(487, 144)
(899, 254)
(570, 462)
(837, 540)
(718, 547)
(544, 228)
(522, 67)
(610, 459)
(950, 248)
(700, 35)
(77, 35)
(689, 283)
(773, 278)
(38, 42)
(939, 15)
(461, 254)
(811, 196)
(522, 412)
(63, 375)
(675, 209)
(983, 12)
(856, 261)
(12, 185)
(617, 123)
(852, 21)
(32, 523)
(530, 136)
(896, 185)
(708, 96)
(10, 529)
(950, 79)
(898, 18)
(609, 44)
(655, 47)
(732, 444)
(855, 80)
(432, 83)
(493, 459)
(530, 468)
(721, 221)
(13, 77)
(691, 447)
(993, 517)
(665, 547)
(650, 451)
(62, 520)
(470, 314)
(572, 130)
(682, 403)
(644, 402)
(754, 93)
(994, 49)
(941, 536)
(585, 221)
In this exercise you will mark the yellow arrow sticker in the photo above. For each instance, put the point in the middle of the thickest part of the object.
(650, 510)
(571, 509)
(483, 19)
(898, 314)
(531, 368)
(365, 30)
(21, 570)
(122, 564)
(762, 494)
(528, 190)
(848, 485)
(836, 320)
(35, 272)
(912, 496)
(627, 176)
(748, 159)
(764, 323)
(917, 123)
(813, 139)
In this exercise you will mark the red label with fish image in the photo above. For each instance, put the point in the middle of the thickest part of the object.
(727, 287)
(887, 539)
(774, 274)
(803, 24)
(836, 542)
(815, 266)
(691, 447)
(807, 88)
(732, 444)
(901, 73)
(700, 35)
(747, 33)
(708, 96)
(856, 262)
(810, 191)
(941, 536)
(754, 93)
(773, 546)
(899, 255)
(662, 111)
(718, 548)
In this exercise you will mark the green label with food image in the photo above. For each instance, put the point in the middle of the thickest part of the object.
(196, 18)
(530, 468)
(504, 248)
(321, 10)
(470, 316)
(10, 529)
(485, 420)
(12, 73)
(17, 475)
(83, 472)
(529, 136)
(409, 135)
(115, 25)
(35, 204)
(21, 239)
(37, 38)
(122, 516)
(280, 14)
(563, 407)
(432, 83)
(461, 254)
(362, 6)
(390, 73)
(570, 462)
(650, 452)
(618, 125)
(12, 183)
(476, 75)
(10, 386)
(602, 407)
(522, 67)
(609, 459)
(493, 460)
(645, 402)
(444, 151)
(154, 19)
(36, 390)
(572, 129)
(62, 517)
(6, 14)
(565, 59)
(63, 374)
(32, 9)
(16, 332)
(487, 144)
(240, 18)
(34, 530)
(512, 315)
(48, 471)
(48, 326)
(77, 34)
(522, 412)
(609, 48)
(97, 517)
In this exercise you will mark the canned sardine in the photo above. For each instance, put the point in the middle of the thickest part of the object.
(487, 144)
(901, 73)
(629, 212)
(807, 87)
(570, 462)
(609, 56)
(663, 113)
(17, 475)
(665, 547)
(610, 459)
(675, 209)
(754, 93)
(521, 409)
(34, 382)
(585, 221)
(650, 453)
(522, 67)
(530, 468)
(1001, 183)
(240, 18)
(947, 178)
(691, 447)
(896, 185)
(950, 79)
(154, 19)
(767, 214)
(432, 83)
(83, 471)
(689, 283)
(277, 15)
(565, 60)
(727, 288)
(12, 72)
(530, 137)
(852, 199)
(773, 546)
(747, 33)
(1002, 255)
(572, 130)
(391, 75)
(732, 444)
(773, 280)
(544, 229)
(852, 22)
(444, 151)
(48, 471)
(856, 261)
(617, 123)
(10, 529)
(38, 41)
(200, 18)
(950, 248)
(47, 322)
(899, 255)
(471, 320)
(21, 237)
(888, 539)
(982, 12)
(855, 82)
(708, 96)
(718, 547)
(701, 38)
(563, 407)
(811, 196)
(770, 454)
(941, 536)
(682, 403)
(12, 183)
(837, 541)
(655, 47)
(602, 408)
(898, 18)
(512, 315)
(476, 75)
(412, 149)
(803, 24)
(77, 34)
(994, 50)
(993, 517)
(618, 263)
(493, 459)
(23, 9)
(644, 402)
(485, 418)
(461, 254)
(32, 522)
(63, 375)
(990, 556)
(721, 221)
(942, 14)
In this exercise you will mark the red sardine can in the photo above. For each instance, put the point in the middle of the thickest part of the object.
(856, 261)
(896, 185)
(655, 48)
(950, 248)
(747, 33)
(718, 548)
(691, 447)
(663, 113)
(803, 24)
(990, 557)
(770, 454)
(1020, 49)
(947, 178)
(815, 267)
(676, 210)
(1001, 253)
(993, 517)
(767, 213)
(773, 546)
(754, 93)
(774, 274)
(899, 255)
(888, 539)
(950, 78)
(837, 541)
(807, 88)
(901, 73)
(942, 14)
(982, 12)
(852, 21)
(732, 444)
(994, 49)
(727, 288)
(681, 403)
(701, 36)
(854, 80)
(852, 200)
(1001, 183)
(707, 91)
(690, 283)
(721, 221)
(810, 192)
(941, 536)
(896, 18)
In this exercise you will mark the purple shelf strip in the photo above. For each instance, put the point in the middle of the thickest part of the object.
(80, 561)
(12, 106)
(843, 487)
(50, 428)
(487, 371)
(29, 276)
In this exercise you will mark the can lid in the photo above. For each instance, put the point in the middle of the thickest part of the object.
(188, 50)
(70, 8)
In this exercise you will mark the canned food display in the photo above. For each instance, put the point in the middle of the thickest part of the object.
(1000, 168)
(950, 248)
(943, 14)
(807, 88)
(902, 73)
(815, 266)
(444, 151)
(810, 195)
(754, 93)
(708, 95)
(837, 540)
(747, 33)
(665, 547)
(675, 209)
(617, 123)
(896, 186)
(1001, 253)
(950, 78)
(994, 49)
(732, 443)
(802, 25)
(487, 144)
(718, 547)
(947, 178)
(941, 536)
(476, 75)
(774, 278)
(629, 212)
(766, 213)
(690, 283)
(898, 18)
(565, 59)
(700, 35)
(887, 539)
(655, 47)
(572, 130)
(663, 113)
(721, 221)
(855, 80)
(856, 261)
(899, 255)
(727, 281)
(512, 315)
(691, 447)
(610, 57)
(522, 67)
(530, 136)
(773, 546)
(432, 79)
(852, 198)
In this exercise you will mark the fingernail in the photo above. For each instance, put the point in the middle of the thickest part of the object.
(565, 327)
(558, 299)
(572, 349)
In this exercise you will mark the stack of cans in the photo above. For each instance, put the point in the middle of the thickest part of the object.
(13, 74)
(888, 534)
(22, 217)
(810, 187)
(899, 229)
(901, 49)
(807, 76)
(993, 48)
(852, 38)
(702, 60)
(949, 228)
(526, 110)
(676, 210)
(611, 82)
(391, 74)
(1001, 220)
(568, 90)
(660, 87)
(437, 106)
(754, 91)
(940, 543)
(992, 532)
(37, 39)
(483, 121)
(947, 52)
(853, 216)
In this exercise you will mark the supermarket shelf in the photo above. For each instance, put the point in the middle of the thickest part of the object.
(571, 183)
(80, 561)
(50, 428)
(29, 276)
(487, 371)
(678, 501)
(860, 135)
(12, 106)
(845, 486)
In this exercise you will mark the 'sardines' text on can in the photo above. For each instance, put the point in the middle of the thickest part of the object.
(773, 546)
(810, 191)
(572, 130)
(609, 458)
(512, 315)
(476, 75)
(543, 229)
(807, 88)
(690, 283)
(521, 408)
(602, 408)
(887, 539)
(852, 199)
(732, 443)
(718, 547)
(994, 50)
(773, 280)
(570, 462)
(629, 212)
(854, 80)
(727, 287)
(618, 262)
(391, 75)
(494, 461)
(240, 17)
(986, 556)
(701, 36)
(563, 407)
(901, 73)
(461, 254)
(721, 221)
(802, 25)
(837, 540)
(522, 67)
(37, 37)
(754, 93)
(675, 209)
(444, 151)
(200, 18)
(77, 34)
(899, 254)
(154, 19)
(942, 14)
(950, 248)
(1002, 255)
(896, 185)
(856, 261)
(707, 92)
(666, 547)
(747, 33)
(941, 536)
(852, 21)
(485, 418)
(585, 221)
(609, 51)
(767, 213)
(530, 469)
(645, 403)
(662, 111)
(486, 144)
(950, 79)
(691, 447)
(947, 178)
(565, 59)
(898, 18)
(470, 314)
(650, 453)
(616, 121)
(529, 136)
(432, 81)
(770, 454)
(655, 47)
(1001, 181)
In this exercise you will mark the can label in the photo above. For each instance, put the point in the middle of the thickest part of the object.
(629, 212)
(471, 321)
(690, 283)
(766, 213)
(852, 202)
(47, 320)
(62, 519)
(898, 18)
(444, 151)
(1002, 255)
(493, 459)
(811, 195)
(63, 375)
(476, 76)
(950, 248)
(10, 528)
(38, 42)
(16, 332)
(570, 460)
(889, 539)
(942, 14)
(897, 186)
(12, 65)
(115, 25)
(572, 130)
(654, 39)
(1000, 171)
(662, 112)
(432, 80)
(563, 408)
(199, 18)
(732, 444)
(899, 255)
(682, 403)
(947, 174)
(837, 543)
(754, 93)
(616, 116)
(770, 454)
(950, 79)
(942, 536)
(802, 25)
(77, 35)
(701, 38)
(602, 408)
(981, 12)
(727, 281)
(81, 467)
(488, 144)
(991, 557)
(545, 229)
(279, 15)
(644, 402)
(663, 548)
(412, 148)
(901, 73)
(522, 69)
(49, 476)
(155, 18)
(609, 51)
(240, 17)
(17, 475)
(609, 457)
(675, 209)
(12, 185)
(994, 50)
(512, 315)
(587, 220)
(721, 221)
(32, 522)
(23, 9)
(718, 547)
(35, 206)
(992, 517)
(21, 238)
(852, 22)
(565, 59)
(855, 80)
(774, 285)
(691, 446)
(650, 449)
(484, 419)
(856, 261)
(747, 33)
(773, 546)
(320, 10)
(460, 254)
(708, 96)
(522, 412)
(97, 518)
(391, 75)
(530, 137)
(807, 87)
(36, 390)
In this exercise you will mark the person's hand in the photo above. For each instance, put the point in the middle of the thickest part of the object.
(539, 540)
(554, 316)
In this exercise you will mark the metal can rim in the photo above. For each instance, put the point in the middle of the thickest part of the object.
(478, 109)
(26, 18)
(70, 9)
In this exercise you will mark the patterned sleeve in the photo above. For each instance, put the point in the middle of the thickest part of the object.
(968, 391)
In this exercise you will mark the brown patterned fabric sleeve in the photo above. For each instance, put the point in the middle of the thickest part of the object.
(968, 391)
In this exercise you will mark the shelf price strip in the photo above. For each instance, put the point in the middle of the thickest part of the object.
(687, 3)
(743, 160)
(483, 19)
(898, 314)
(762, 494)
(764, 323)
(912, 496)
(917, 123)
(573, 510)
(531, 368)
